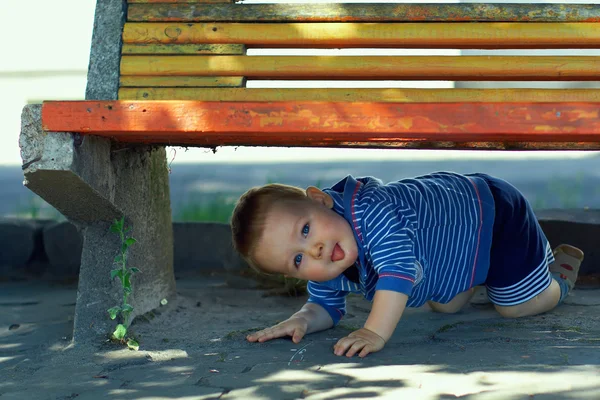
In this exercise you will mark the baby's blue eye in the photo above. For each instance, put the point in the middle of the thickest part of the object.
(305, 230)
(297, 260)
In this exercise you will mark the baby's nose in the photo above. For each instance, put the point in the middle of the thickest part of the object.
(317, 250)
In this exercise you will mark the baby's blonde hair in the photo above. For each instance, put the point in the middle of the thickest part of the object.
(249, 217)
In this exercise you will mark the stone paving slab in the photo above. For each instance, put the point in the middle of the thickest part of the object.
(194, 348)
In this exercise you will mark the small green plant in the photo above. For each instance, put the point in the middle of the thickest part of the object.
(124, 274)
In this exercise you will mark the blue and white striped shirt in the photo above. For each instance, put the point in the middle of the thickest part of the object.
(428, 237)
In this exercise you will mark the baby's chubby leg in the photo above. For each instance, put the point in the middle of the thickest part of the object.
(454, 305)
(541, 303)
(564, 269)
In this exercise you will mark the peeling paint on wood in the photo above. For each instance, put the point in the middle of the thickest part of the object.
(188, 49)
(379, 35)
(465, 12)
(329, 124)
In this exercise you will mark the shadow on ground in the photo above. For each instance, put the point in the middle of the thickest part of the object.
(194, 348)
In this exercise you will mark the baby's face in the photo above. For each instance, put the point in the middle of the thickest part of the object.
(306, 240)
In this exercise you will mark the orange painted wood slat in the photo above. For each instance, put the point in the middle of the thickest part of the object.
(370, 67)
(327, 124)
(138, 91)
(401, 35)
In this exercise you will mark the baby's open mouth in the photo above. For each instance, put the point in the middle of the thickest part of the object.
(337, 253)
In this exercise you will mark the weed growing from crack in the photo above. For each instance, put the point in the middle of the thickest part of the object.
(124, 274)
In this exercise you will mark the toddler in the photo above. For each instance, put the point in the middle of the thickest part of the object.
(431, 239)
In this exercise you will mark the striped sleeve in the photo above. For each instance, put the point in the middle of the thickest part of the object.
(332, 300)
(389, 239)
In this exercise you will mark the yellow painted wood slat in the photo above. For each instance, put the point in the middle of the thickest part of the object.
(369, 68)
(174, 82)
(192, 49)
(364, 95)
(404, 35)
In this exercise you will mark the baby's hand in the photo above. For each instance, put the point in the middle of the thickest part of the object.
(294, 327)
(362, 340)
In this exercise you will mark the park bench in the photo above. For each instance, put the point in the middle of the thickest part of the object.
(173, 72)
(195, 53)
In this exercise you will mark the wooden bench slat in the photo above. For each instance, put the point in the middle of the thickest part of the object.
(350, 95)
(375, 35)
(331, 124)
(370, 67)
(465, 12)
(174, 82)
(189, 49)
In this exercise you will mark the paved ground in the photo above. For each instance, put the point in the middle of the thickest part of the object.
(194, 348)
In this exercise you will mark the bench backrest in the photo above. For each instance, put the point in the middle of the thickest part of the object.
(178, 49)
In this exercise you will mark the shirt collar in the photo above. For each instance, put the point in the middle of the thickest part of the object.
(344, 195)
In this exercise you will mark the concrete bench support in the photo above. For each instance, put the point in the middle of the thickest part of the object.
(92, 182)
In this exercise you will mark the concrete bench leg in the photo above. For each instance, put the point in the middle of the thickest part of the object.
(92, 184)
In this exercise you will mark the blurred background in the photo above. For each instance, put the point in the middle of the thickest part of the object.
(45, 57)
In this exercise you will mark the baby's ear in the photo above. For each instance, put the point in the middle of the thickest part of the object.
(319, 196)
